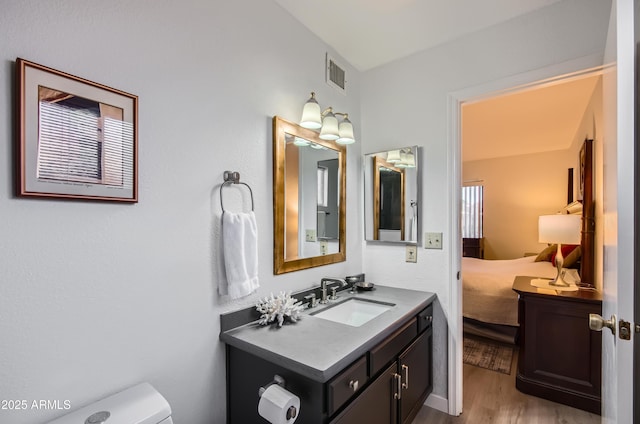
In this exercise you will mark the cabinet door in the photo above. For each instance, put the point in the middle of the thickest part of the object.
(376, 404)
(414, 366)
(560, 358)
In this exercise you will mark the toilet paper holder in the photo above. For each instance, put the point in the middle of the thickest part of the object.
(292, 411)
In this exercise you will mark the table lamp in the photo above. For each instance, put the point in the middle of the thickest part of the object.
(559, 229)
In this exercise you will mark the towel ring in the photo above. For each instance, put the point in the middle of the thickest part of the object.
(232, 177)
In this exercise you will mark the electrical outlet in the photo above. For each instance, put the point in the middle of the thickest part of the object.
(433, 240)
(412, 254)
(324, 247)
(310, 235)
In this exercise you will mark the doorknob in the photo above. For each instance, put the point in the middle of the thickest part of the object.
(596, 322)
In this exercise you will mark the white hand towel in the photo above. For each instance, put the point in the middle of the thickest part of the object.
(240, 251)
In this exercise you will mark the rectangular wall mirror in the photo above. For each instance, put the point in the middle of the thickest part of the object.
(309, 183)
(391, 196)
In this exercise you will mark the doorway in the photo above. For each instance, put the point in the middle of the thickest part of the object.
(535, 80)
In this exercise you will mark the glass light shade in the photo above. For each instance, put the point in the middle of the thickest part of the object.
(403, 160)
(410, 160)
(561, 229)
(345, 131)
(329, 129)
(393, 156)
(301, 142)
(311, 114)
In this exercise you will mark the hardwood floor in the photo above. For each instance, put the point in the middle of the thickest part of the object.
(492, 397)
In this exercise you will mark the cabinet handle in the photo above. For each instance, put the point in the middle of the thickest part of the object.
(398, 379)
(405, 385)
(354, 385)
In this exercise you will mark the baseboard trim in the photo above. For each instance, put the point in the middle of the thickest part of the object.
(437, 402)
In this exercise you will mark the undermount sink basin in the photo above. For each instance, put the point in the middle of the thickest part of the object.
(354, 311)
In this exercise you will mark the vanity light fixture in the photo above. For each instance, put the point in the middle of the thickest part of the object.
(314, 118)
(301, 142)
(411, 160)
(407, 160)
(393, 156)
(403, 158)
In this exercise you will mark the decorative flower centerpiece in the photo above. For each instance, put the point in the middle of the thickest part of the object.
(277, 308)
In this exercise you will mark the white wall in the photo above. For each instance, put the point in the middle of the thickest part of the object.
(405, 102)
(95, 297)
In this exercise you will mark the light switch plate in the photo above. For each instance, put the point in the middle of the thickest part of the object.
(412, 254)
(310, 235)
(433, 240)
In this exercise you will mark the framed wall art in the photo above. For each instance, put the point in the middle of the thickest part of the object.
(76, 139)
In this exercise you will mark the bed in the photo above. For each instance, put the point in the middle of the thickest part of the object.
(489, 305)
(486, 287)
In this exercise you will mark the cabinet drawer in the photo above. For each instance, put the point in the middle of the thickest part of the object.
(346, 384)
(386, 351)
(425, 318)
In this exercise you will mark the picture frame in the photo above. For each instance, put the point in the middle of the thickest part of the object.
(585, 157)
(76, 139)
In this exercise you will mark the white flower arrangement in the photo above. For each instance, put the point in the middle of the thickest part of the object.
(277, 308)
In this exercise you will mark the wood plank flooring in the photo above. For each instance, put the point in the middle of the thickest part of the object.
(492, 398)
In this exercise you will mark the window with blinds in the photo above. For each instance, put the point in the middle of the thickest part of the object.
(323, 186)
(472, 198)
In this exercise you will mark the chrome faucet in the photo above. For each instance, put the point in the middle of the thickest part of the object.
(323, 288)
(313, 302)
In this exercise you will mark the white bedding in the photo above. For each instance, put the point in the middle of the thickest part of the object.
(486, 286)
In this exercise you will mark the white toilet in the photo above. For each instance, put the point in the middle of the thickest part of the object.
(140, 404)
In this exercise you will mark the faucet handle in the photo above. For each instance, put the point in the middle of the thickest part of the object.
(323, 295)
(312, 300)
(333, 296)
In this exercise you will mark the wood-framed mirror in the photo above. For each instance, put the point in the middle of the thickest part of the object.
(309, 199)
(388, 200)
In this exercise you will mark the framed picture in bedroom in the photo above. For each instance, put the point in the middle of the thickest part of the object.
(76, 139)
(585, 157)
(586, 189)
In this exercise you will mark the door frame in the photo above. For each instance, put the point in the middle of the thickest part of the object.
(636, 267)
(636, 315)
(554, 74)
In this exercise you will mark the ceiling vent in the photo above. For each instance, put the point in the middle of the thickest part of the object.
(336, 75)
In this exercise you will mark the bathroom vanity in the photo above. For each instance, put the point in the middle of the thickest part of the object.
(378, 371)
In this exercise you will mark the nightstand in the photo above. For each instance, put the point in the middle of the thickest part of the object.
(560, 357)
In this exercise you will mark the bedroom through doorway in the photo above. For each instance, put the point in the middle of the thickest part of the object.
(519, 151)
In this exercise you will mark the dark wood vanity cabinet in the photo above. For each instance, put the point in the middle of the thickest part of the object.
(399, 391)
(414, 367)
(377, 403)
(387, 385)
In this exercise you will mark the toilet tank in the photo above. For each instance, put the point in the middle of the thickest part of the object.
(140, 404)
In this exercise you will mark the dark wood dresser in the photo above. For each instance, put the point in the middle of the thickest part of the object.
(560, 357)
(473, 247)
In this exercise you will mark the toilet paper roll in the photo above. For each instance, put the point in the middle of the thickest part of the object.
(278, 405)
